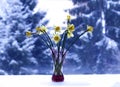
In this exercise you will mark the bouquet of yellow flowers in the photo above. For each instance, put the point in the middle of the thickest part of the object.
(57, 44)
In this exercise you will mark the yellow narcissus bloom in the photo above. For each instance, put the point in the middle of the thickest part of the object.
(89, 28)
(38, 29)
(56, 38)
(68, 17)
(70, 34)
(28, 33)
(71, 28)
(43, 29)
(57, 29)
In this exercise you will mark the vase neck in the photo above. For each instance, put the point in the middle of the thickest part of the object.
(58, 70)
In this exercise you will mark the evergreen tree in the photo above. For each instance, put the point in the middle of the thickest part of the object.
(18, 54)
(98, 52)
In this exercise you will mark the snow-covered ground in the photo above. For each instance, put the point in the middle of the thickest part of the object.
(108, 80)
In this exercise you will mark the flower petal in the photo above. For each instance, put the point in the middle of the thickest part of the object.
(89, 28)
(70, 34)
(56, 38)
(71, 27)
(57, 29)
(28, 33)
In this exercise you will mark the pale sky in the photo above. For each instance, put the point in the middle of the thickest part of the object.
(55, 10)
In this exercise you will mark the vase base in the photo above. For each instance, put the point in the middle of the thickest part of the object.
(57, 78)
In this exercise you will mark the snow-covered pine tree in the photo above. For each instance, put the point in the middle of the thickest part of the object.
(99, 51)
(18, 54)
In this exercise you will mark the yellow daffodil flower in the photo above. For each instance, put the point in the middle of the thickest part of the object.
(70, 34)
(68, 17)
(57, 29)
(38, 29)
(43, 29)
(71, 28)
(89, 28)
(28, 33)
(56, 38)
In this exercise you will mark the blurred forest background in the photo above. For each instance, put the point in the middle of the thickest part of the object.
(96, 53)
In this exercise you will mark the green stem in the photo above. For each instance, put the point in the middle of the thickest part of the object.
(64, 41)
(48, 45)
(58, 69)
(77, 38)
(65, 37)
(58, 56)
(43, 39)
(63, 55)
(58, 47)
(49, 39)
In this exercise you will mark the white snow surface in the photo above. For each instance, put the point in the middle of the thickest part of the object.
(105, 80)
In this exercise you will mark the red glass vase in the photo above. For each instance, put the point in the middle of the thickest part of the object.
(57, 74)
(57, 78)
